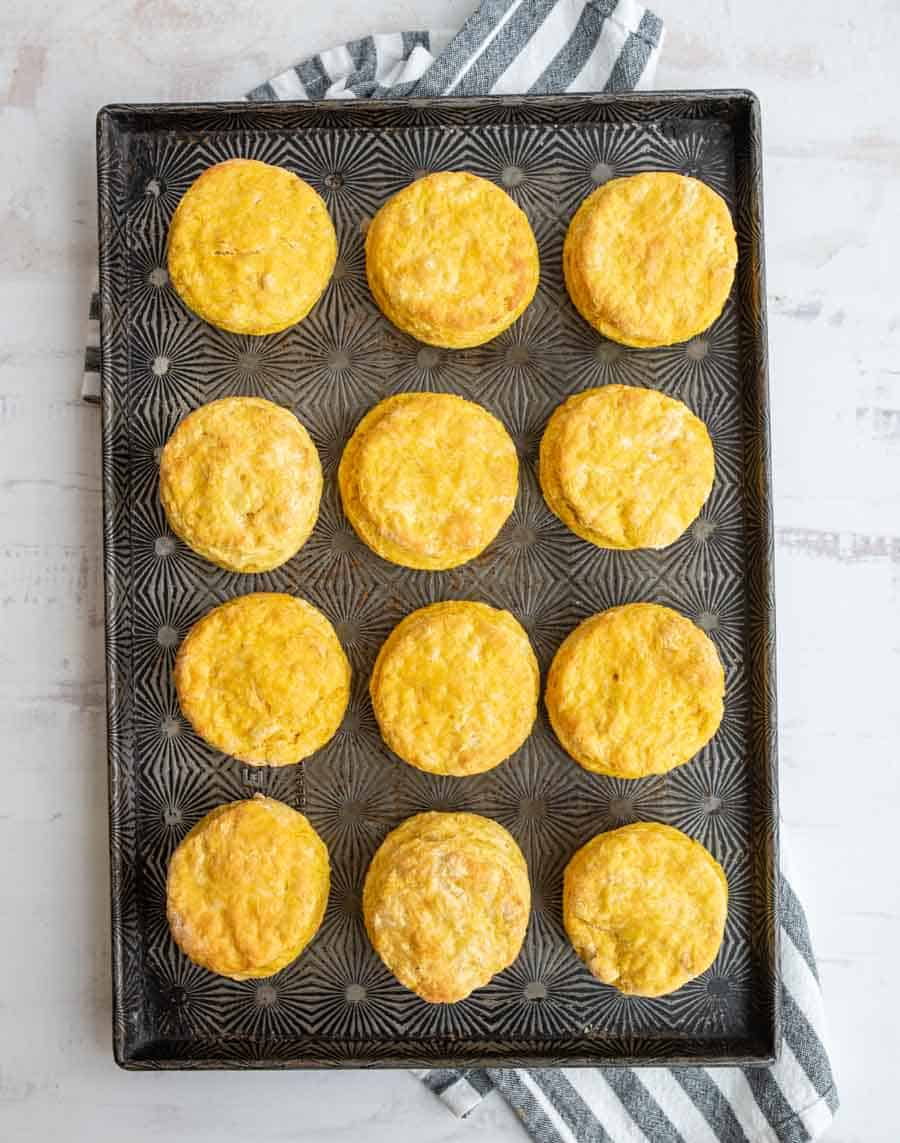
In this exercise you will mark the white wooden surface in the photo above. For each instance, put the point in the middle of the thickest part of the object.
(828, 78)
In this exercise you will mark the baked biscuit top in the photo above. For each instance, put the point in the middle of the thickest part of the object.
(451, 259)
(635, 690)
(428, 479)
(446, 903)
(240, 481)
(247, 888)
(455, 687)
(263, 678)
(251, 247)
(645, 908)
(626, 467)
(649, 259)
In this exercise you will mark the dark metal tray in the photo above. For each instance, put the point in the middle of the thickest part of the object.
(337, 1005)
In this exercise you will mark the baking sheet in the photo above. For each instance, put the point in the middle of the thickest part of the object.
(338, 1005)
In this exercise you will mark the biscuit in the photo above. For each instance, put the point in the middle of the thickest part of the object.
(452, 260)
(649, 259)
(263, 678)
(428, 479)
(645, 907)
(446, 903)
(247, 888)
(251, 247)
(240, 482)
(635, 690)
(626, 467)
(455, 688)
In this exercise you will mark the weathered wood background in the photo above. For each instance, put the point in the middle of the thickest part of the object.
(828, 78)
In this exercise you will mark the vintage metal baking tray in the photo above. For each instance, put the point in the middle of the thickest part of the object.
(337, 1005)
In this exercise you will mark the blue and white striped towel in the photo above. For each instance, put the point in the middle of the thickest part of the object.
(791, 1102)
(507, 47)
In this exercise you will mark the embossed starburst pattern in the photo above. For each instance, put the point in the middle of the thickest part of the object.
(339, 362)
(718, 999)
(160, 623)
(162, 564)
(591, 360)
(711, 802)
(595, 155)
(533, 543)
(162, 171)
(540, 993)
(152, 425)
(425, 368)
(546, 873)
(700, 371)
(343, 923)
(272, 1007)
(164, 736)
(166, 365)
(614, 802)
(528, 356)
(416, 792)
(188, 998)
(238, 365)
(339, 166)
(610, 1012)
(354, 996)
(337, 1003)
(407, 156)
(550, 232)
(334, 555)
(713, 546)
(348, 292)
(540, 800)
(351, 806)
(519, 159)
(700, 154)
(173, 799)
(716, 608)
(150, 290)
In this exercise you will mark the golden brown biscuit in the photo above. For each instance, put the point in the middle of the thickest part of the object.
(455, 688)
(635, 690)
(247, 888)
(452, 260)
(240, 481)
(649, 259)
(446, 903)
(428, 479)
(645, 908)
(626, 467)
(263, 678)
(251, 247)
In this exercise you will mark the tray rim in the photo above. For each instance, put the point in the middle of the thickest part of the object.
(110, 118)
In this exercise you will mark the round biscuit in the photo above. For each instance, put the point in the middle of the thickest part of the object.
(240, 482)
(251, 247)
(263, 678)
(455, 688)
(649, 259)
(247, 888)
(446, 903)
(625, 467)
(645, 907)
(428, 479)
(451, 259)
(635, 690)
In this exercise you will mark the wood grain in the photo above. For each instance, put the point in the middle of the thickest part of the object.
(830, 90)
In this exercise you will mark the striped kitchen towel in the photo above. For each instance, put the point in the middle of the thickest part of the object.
(506, 47)
(791, 1102)
(509, 47)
